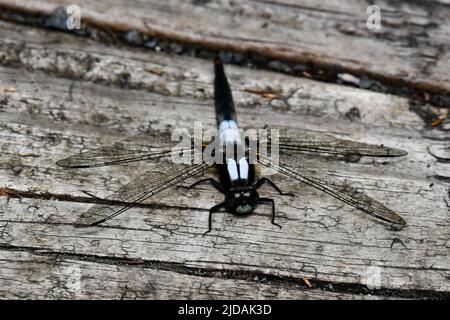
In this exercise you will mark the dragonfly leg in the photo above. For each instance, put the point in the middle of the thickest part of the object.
(216, 208)
(273, 185)
(211, 181)
(268, 200)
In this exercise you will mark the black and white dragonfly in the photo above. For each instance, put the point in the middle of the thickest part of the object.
(237, 175)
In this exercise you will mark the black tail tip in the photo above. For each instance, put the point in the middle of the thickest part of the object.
(217, 60)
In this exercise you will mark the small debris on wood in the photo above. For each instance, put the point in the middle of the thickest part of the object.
(263, 93)
(58, 19)
(365, 82)
(279, 66)
(432, 115)
(155, 71)
(306, 74)
(134, 38)
(151, 44)
(446, 126)
(436, 122)
(4, 192)
(308, 283)
(438, 115)
(9, 90)
(349, 78)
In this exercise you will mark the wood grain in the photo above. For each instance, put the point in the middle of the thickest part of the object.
(411, 47)
(63, 105)
(41, 275)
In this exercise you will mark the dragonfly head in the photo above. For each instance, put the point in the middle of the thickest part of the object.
(241, 200)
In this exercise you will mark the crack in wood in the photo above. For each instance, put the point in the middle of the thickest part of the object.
(13, 193)
(324, 72)
(254, 276)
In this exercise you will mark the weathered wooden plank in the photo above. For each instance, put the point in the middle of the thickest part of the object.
(43, 275)
(40, 224)
(53, 123)
(82, 59)
(48, 118)
(412, 46)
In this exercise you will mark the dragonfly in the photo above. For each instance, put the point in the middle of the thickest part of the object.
(237, 174)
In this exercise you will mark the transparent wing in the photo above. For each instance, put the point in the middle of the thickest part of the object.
(320, 143)
(138, 148)
(116, 154)
(299, 170)
(152, 182)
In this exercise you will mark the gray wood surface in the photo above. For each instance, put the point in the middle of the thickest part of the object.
(72, 94)
(412, 45)
(49, 276)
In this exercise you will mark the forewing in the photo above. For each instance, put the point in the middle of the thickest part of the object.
(106, 156)
(150, 183)
(320, 143)
(137, 148)
(293, 167)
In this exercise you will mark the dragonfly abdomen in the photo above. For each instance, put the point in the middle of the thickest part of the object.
(223, 98)
(237, 166)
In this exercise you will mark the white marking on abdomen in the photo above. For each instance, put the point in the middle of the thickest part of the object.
(232, 169)
(243, 168)
(238, 170)
(229, 132)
